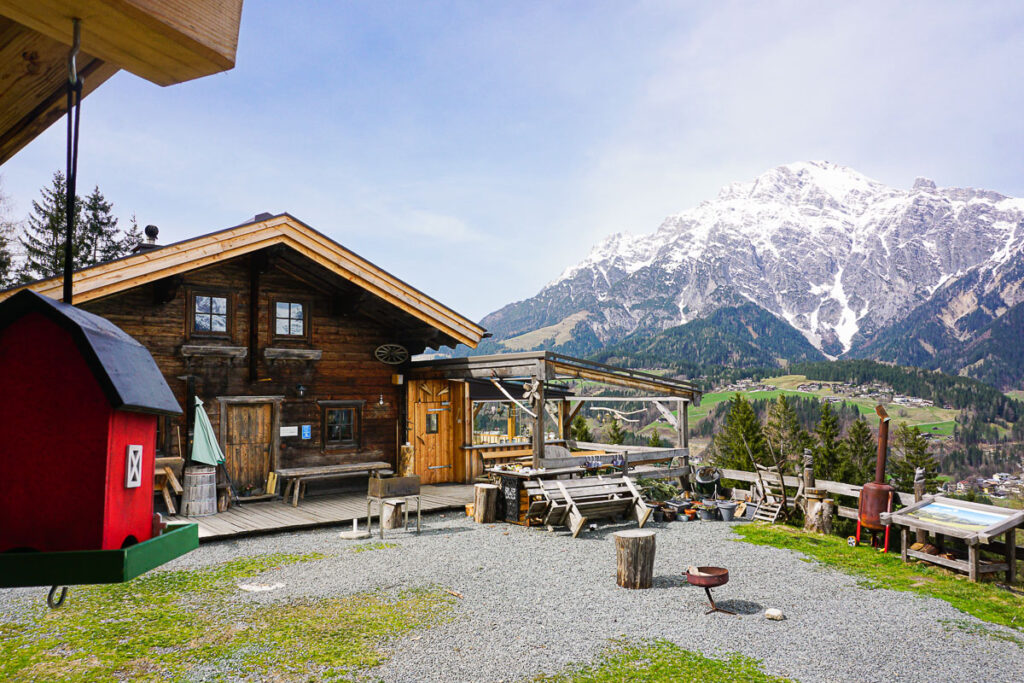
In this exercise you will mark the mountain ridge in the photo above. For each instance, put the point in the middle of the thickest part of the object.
(840, 257)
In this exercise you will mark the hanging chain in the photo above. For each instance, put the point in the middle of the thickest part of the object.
(74, 104)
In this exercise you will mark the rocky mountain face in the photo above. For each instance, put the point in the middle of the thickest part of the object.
(857, 267)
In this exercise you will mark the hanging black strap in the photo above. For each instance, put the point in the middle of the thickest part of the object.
(74, 90)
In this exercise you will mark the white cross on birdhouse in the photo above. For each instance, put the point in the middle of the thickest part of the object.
(133, 468)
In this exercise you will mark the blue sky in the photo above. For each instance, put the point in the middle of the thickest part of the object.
(475, 149)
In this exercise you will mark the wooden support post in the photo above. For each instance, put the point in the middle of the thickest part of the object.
(485, 501)
(904, 542)
(973, 558)
(922, 535)
(538, 420)
(683, 440)
(564, 428)
(1011, 556)
(634, 558)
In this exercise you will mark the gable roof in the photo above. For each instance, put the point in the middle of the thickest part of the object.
(125, 370)
(148, 266)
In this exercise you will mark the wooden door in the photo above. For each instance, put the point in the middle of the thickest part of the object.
(248, 441)
(432, 432)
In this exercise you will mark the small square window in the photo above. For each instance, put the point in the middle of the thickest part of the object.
(431, 423)
(341, 426)
(289, 319)
(210, 314)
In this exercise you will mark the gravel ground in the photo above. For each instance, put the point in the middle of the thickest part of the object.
(535, 601)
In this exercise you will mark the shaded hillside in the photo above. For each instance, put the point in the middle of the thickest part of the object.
(738, 336)
(995, 355)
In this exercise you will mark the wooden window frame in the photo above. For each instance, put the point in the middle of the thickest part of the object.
(357, 409)
(191, 313)
(307, 323)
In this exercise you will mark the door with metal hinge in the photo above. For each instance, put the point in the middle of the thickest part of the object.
(432, 434)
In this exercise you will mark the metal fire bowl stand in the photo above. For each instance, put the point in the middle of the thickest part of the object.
(707, 578)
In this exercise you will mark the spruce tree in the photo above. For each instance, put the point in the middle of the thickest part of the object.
(859, 452)
(655, 440)
(827, 451)
(43, 237)
(741, 431)
(103, 241)
(911, 449)
(6, 245)
(579, 428)
(784, 437)
(132, 237)
(615, 433)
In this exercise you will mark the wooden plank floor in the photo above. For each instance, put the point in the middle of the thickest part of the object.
(275, 515)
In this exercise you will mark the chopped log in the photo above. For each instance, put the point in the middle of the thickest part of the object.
(485, 501)
(634, 558)
(391, 515)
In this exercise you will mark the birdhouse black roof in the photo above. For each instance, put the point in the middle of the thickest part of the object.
(124, 368)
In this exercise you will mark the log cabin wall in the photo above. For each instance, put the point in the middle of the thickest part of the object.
(159, 315)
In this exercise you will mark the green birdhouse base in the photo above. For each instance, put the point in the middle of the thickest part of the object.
(78, 567)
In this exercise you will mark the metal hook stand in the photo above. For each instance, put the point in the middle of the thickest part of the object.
(55, 604)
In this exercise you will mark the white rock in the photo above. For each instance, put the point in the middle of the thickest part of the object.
(354, 535)
(774, 614)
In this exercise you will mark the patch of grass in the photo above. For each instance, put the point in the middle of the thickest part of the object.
(379, 545)
(979, 630)
(663, 660)
(982, 600)
(179, 624)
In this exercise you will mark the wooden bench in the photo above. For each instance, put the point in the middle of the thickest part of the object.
(295, 478)
(165, 481)
(572, 502)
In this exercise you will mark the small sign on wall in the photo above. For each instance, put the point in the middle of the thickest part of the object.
(307, 431)
(290, 431)
(133, 468)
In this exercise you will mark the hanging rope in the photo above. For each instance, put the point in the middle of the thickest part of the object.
(74, 90)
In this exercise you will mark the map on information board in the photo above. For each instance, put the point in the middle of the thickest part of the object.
(957, 517)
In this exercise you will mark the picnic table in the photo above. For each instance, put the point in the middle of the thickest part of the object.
(295, 478)
(512, 492)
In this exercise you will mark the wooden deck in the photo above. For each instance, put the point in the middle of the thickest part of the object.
(275, 515)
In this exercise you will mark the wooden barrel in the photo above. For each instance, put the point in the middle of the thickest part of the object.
(199, 497)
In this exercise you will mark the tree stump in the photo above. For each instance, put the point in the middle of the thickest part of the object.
(485, 502)
(634, 558)
(391, 514)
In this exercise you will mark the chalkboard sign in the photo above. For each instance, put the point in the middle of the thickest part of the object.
(510, 498)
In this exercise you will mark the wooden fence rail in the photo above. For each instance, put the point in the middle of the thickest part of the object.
(837, 488)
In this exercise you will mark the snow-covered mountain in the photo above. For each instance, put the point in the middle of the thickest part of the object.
(837, 255)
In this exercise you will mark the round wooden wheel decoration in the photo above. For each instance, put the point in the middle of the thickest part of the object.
(392, 354)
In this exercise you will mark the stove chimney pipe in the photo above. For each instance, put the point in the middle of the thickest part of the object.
(883, 444)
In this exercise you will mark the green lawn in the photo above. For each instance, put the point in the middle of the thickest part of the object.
(663, 662)
(982, 600)
(181, 625)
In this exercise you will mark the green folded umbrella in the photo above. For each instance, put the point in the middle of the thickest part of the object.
(205, 448)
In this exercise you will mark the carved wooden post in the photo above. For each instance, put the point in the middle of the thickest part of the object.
(485, 501)
(808, 469)
(922, 535)
(634, 558)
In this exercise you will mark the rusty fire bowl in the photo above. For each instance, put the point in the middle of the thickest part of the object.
(708, 577)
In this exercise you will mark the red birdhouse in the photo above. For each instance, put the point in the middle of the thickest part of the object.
(78, 421)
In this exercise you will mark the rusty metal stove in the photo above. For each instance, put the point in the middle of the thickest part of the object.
(877, 496)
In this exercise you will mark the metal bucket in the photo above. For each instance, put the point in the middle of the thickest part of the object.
(727, 508)
(199, 497)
